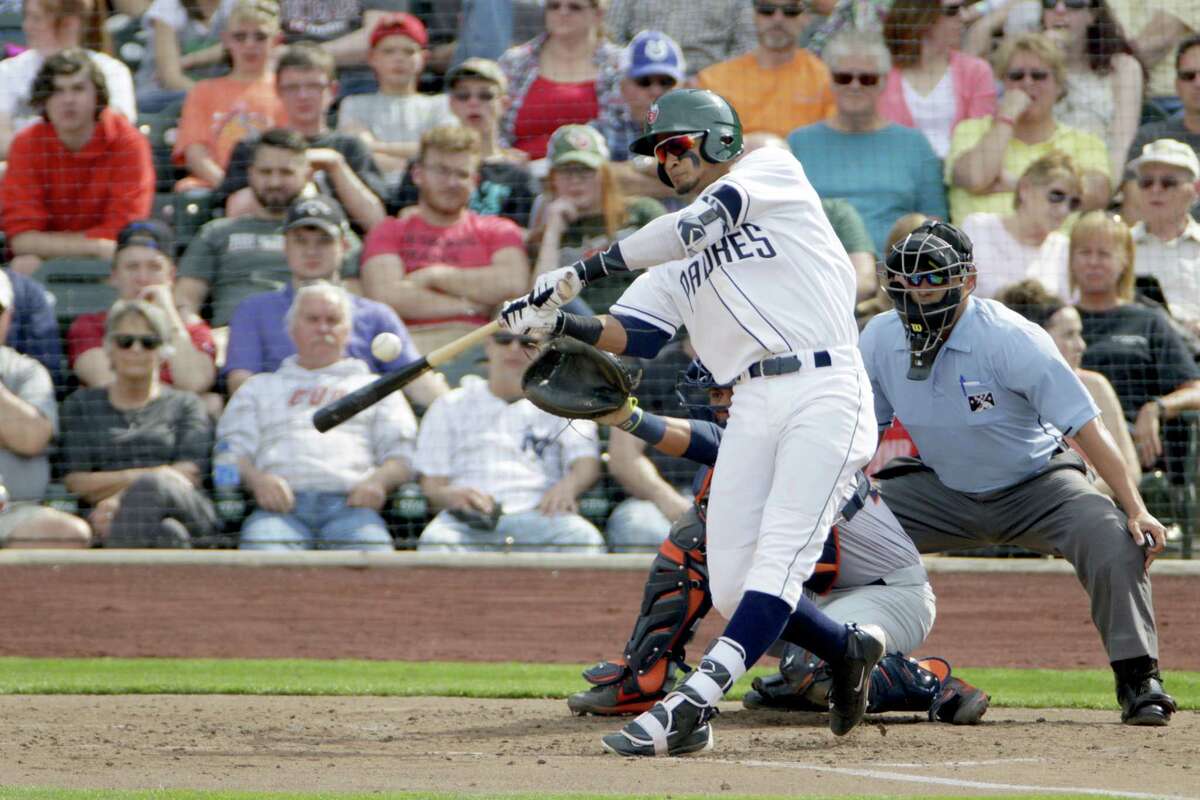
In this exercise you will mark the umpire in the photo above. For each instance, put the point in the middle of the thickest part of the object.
(988, 401)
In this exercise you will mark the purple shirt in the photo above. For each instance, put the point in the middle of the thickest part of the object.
(259, 341)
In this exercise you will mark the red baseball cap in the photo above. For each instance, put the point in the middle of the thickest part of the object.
(400, 24)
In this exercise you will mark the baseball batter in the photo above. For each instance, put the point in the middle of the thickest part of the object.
(753, 269)
(869, 572)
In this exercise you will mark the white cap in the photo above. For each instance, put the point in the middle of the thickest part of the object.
(1171, 152)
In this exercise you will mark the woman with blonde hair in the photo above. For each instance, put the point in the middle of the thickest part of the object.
(1030, 299)
(583, 210)
(51, 26)
(1027, 242)
(1132, 345)
(987, 155)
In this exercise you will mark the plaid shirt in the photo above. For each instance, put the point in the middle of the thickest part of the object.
(521, 67)
(708, 30)
(863, 15)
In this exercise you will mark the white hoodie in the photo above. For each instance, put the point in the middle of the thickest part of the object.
(269, 420)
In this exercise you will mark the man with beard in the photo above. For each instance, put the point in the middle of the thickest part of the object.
(443, 267)
(316, 237)
(777, 86)
(235, 257)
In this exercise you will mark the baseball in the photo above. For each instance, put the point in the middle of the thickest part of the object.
(386, 346)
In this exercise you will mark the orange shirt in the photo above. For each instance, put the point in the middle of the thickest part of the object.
(220, 112)
(778, 100)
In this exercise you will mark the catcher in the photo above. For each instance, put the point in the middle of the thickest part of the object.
(868, 573)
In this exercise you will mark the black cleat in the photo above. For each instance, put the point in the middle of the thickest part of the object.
(1145, 703)
(852, 677)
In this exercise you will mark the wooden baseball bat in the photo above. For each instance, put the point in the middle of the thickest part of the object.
(344, 408)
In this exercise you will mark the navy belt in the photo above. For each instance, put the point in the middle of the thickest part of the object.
(783, 365)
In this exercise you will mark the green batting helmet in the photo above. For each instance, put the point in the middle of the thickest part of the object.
(693, 111)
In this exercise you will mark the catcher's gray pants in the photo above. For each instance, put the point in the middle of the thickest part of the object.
(1057, 512)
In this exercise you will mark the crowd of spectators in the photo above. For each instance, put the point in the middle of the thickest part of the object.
(341, 170)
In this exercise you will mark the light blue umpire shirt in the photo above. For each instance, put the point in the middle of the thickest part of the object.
(998, 401)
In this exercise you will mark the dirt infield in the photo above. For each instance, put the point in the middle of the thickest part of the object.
(473, 746)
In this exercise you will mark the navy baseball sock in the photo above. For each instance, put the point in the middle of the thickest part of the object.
(810, 628)
(756, 623)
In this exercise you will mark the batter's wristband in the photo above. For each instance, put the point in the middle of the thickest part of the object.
(599, 265)
(585, 328)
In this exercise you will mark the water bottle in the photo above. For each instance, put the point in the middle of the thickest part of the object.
(231, 505)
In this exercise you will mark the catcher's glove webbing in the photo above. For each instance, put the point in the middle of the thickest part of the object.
(575, 380)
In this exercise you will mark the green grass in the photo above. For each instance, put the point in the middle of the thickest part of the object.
(1008, 687)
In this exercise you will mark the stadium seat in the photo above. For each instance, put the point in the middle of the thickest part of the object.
(1173, 498)
(11, 31)
(129, 39)
(79, 286)
(160, 128)
(184, 212)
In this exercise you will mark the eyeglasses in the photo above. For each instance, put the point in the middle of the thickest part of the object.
(676, 146)
(148, 341)
(1018, 75)
(505, 339)
(847, 78)
(1165, 181)
(483, 95)
(303, 88)
(1056, 196)
(1187, 75)
(790, 11)
(951, 11)
(573, 8)
(661, 81)
(1074, 5)
(241, 37)
(935, 278)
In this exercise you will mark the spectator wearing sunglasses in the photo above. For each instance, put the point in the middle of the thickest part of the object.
(219, 112)
(1183, 127)
(1155, 28)
(988, 154)
(776, 87)
(933, 85)
(1167, 240)
(1104, 81)
(1132, 344)
(136, 451)
(501, 472)
(478, 94)
(1028, 242)
(144, 269)
(317, 490)
(884, 170)
(708, 30)
(652, 65)
(569, 74)
(392, 120)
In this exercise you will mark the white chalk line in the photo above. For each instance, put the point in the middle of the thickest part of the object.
(955, 782)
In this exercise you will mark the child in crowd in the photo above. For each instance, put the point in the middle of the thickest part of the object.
(392, 120)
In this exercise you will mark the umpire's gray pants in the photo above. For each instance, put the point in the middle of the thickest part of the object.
(1057, 512)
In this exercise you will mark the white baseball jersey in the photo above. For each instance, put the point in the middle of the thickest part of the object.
(512, 451)
(269, 420)
(778, 281)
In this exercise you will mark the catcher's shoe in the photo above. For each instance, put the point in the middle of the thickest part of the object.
(674, 727)
(1145, 702)
(959, 703)
(852, 677)
(612, 700)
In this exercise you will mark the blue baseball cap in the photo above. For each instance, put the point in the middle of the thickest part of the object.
(653, 53)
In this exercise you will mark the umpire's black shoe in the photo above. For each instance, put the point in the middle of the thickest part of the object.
(1145, 702)
(852, 677)
(674, 727)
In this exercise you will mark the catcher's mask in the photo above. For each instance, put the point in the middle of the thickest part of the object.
(935, 256)
(692, 387)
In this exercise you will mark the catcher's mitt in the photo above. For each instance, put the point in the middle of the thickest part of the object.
(575, 380)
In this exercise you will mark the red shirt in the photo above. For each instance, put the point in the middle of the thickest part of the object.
(87, 333)
(473, 241)
(97, 191)
(547, 106)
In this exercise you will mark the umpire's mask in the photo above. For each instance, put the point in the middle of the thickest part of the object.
(935, 257)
